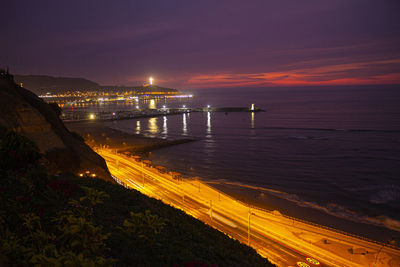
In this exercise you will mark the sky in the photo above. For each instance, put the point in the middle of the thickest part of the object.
(192, 44)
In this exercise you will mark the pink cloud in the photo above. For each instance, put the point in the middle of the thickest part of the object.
(371, 72)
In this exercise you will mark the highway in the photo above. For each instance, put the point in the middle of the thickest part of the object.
(284, 241)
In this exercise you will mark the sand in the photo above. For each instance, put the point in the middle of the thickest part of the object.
(98, 134)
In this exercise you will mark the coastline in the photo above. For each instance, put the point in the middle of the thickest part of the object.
(260, 199)
(98, 134)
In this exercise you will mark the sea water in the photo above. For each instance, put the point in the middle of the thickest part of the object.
(333, 149)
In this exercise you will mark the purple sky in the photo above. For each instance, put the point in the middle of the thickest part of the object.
(200, 44)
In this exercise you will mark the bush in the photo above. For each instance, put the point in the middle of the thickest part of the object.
(70, 221)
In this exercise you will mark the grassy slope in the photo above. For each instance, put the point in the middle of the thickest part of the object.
(70, 221)
(183, 239)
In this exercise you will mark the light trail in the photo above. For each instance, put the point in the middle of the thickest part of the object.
(282, 240)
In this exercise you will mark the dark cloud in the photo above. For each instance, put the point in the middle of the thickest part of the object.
(180, 41)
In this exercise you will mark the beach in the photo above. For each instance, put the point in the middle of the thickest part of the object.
(97, 134)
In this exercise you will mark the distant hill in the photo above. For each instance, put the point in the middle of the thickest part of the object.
(42, 84)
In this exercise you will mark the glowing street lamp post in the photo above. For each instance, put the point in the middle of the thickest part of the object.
(143, 173)
(248, 229)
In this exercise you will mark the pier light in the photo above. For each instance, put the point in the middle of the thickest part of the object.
(91, 116)
(252, 107)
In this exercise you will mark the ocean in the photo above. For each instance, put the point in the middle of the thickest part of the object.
(331, 149)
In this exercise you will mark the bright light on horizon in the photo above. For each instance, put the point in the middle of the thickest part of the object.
(151, 80)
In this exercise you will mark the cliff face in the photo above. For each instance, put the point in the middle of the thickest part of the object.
(24, 112)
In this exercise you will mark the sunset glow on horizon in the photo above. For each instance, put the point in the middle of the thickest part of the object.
(207, 44)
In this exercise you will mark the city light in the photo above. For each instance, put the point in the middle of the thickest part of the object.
(91, 116)
(151, 80)
(163, 106)
(252, 107)
(208, 106)
(184, 106)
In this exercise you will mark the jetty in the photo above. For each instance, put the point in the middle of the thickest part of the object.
(84, 115)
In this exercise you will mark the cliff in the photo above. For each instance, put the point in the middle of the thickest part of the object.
(24, 112)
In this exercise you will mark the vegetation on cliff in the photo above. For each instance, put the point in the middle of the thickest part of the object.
(64, 220)
(24, 112)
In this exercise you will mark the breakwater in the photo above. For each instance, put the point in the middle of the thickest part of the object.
(144, 113)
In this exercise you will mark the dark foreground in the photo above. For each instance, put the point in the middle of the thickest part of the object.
(66, 220)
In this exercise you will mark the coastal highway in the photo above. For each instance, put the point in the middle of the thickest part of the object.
(284, 241)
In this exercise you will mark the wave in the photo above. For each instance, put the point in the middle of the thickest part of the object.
(386, 194)
(329, 129)
(380, 194)
(335, 209)
(309, 137)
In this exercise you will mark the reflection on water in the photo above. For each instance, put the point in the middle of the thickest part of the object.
(165, 128)
(137, 127)
(252, 120)
(153, 127)
(152, 104)
(184, 124)
(208, 125)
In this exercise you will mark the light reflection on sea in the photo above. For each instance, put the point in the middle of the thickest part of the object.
(337, 150)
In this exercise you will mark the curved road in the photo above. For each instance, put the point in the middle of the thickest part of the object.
(283, 241)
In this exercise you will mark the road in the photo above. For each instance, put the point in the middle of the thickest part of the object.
(284, 241)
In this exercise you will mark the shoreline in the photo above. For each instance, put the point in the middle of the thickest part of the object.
(97, 134)
(266, 201)
(270, 229)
